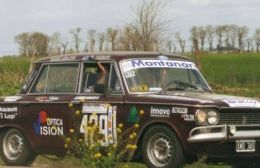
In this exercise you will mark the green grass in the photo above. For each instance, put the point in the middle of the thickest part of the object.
(13, 71)
(232, 69)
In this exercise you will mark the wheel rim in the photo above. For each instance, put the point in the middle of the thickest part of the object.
(160, 150)
(13, 145)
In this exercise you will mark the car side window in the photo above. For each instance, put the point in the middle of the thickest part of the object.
(57, 78)
(114, 85)
(95, 77)
(39, 86)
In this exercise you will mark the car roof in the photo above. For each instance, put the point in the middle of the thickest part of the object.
(107, 56)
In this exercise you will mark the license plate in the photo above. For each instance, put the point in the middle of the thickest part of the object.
(245, 145)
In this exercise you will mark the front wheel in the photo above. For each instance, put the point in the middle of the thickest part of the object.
(14, 149)
(162, 149)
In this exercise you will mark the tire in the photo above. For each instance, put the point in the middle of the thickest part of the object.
(162, 149)
(14, 148)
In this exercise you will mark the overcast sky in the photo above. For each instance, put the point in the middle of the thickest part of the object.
(50, 16)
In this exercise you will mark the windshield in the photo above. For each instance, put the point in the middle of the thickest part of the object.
(152, 75)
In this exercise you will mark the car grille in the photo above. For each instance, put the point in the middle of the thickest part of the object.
(239, 118)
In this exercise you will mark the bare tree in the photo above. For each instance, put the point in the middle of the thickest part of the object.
(241, 34)
(210, 36)
(194, 35)
(202, 37)
(76, 38)
(129, 39)
(227, 32)
(101, 40)
(249, 42)
(23, 40)
(64, 45)
(220, 33)
(181, 42)
(112, 33)
(54, 44)
(39, 43)
(91, 39)
(233, 35)
(149, 23)
(169, 45)
(257, 39)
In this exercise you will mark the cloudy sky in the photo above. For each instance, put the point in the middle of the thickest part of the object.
(50, 16)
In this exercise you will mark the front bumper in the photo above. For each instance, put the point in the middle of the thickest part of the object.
(224, 133)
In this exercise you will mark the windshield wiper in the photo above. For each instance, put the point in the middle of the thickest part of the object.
(179, 83)
(173, 89)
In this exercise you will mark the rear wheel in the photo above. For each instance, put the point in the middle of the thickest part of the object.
(162, 149)
(14, 148)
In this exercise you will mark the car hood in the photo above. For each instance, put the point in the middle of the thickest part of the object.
(203, 99)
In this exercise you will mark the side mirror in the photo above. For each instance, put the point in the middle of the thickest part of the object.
(100, 88)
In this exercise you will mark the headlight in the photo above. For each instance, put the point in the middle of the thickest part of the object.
(207, 116)
(201, 117)
(213, 117)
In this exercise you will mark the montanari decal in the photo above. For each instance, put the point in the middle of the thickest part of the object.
(243, 103)
(135, 64)
(103, 116)
(48, 126)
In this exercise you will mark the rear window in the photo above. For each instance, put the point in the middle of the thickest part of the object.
(57, 78)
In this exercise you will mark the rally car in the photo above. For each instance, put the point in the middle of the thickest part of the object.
(181, 114)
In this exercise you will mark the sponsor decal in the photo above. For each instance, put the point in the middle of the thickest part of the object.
(103, 116)
(135, 64)
(8, 113)
(102, 57)
(84, 98)
(94, 108)
(133, 115)
(129, 74)
(160, 112)
(12, 98)
(47, 98)
(188, 117)
(179, 110)
(64, 58)
(243, 103)
(47, 126)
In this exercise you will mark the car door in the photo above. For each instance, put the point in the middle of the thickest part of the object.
(45, 108)
(102, 89)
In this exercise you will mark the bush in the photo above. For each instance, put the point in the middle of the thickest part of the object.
(89, 148)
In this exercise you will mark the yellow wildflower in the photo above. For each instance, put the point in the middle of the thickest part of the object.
(114, 145)
(136, 125)
(77, 112)
(97, 155)
(68, 139)
(119, 130)
(66, 146)
(80, 140)
(131, 137)
(70, 105)
(109, 154)
(131, 147)
(91, 146)
(141, 112)
(72, 130)
(120, 125)
(126, 166)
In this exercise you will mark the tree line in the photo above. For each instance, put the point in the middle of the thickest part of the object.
(149, 31)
